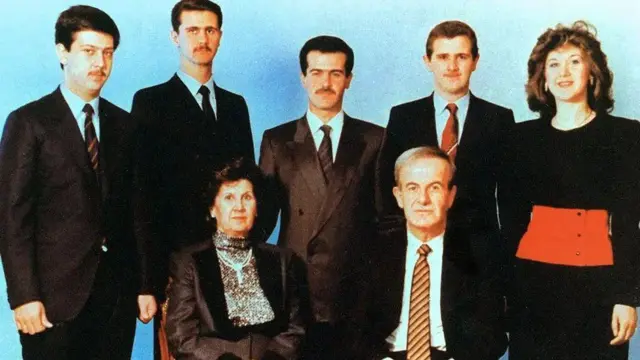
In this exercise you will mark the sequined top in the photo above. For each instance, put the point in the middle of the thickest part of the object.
(246, 301)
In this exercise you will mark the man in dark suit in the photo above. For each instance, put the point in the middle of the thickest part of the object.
(187, 126)
(67, 240)
(428, 300)
(450, 115)
(183, 136)
(321, 168)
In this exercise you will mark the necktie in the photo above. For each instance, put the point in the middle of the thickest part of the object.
(206, 104)
(419, 335)
(90, 138)
(450, 133)
(324, 153)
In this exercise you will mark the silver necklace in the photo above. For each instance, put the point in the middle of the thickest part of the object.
(236, 266)
(584, 121)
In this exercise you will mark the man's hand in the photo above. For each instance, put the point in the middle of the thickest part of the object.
(31, 318)
(623, 323)
(147, 306)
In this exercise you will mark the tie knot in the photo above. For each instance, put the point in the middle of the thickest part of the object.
(326, 129)
(204, 91)
(88, 109)
(424, 250)
(452, 108)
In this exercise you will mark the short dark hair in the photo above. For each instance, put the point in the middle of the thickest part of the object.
(450, 29)
(237, 169)
(326, 44)
(428, 152)
(194, 5)
(583, 36)
(80, 18)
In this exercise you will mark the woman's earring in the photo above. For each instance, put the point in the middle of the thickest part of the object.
(591, 80)
(546, 86)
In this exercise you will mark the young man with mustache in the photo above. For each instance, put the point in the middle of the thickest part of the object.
(471, 130)
(187, 127)
(67, 241)
(321, 168)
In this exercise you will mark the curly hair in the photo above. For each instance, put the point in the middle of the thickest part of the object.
(583, 36)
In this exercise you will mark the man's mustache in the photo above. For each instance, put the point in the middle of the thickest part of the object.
(327, 90)
(201, 48)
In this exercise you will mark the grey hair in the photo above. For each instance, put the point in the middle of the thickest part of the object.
(419, 152)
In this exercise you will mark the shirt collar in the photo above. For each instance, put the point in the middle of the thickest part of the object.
(194, 85)
(76, 103)
(315, 123)
(436, 244)
(440, 104)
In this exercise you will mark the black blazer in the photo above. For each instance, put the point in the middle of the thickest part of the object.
(329, 227)
(198, 325)
(471, 305)
(177, 151)
(478, 164)
(53, 212)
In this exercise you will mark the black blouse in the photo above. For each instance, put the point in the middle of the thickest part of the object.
(596, 166)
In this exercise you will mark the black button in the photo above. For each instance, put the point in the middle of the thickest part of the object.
(300, 212)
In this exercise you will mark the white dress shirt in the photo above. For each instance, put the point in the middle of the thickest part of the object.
(194, 85)
(442, 114)
(336, 123)
(398, 339)
(76, 104)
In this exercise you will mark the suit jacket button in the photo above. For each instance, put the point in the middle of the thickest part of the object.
(300, 212)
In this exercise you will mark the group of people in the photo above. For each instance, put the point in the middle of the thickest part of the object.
(430, 239)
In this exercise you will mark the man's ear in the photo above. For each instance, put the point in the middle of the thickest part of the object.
(173, 36)
(62, 54)
(427, 62)
(452, 196)
(397, 193)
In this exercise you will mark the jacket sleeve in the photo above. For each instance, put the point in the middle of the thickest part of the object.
(270, 207)
(286, 345)
(153, 254)
(182, 315)
(18, 186)
(386, 207)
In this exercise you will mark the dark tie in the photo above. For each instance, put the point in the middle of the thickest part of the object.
(206, 105)
(324, 153)
(419, 334)
(91, 139)
(450, 133)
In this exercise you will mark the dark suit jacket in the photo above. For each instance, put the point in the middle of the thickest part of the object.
(329, 227)
(53, 215)
(478, 164)
(198, 325)
(177, 152)
(471, 305)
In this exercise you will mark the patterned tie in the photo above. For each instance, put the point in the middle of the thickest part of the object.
(450, 133)
(209, 114)
(419, 335)
(91, 139)
(324, 153)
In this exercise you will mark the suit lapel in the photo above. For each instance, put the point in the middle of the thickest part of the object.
(350, 149)
(394, 272)
(306, 160)
(64, 125)
(428, 126)
(473, 128)
(212, 287)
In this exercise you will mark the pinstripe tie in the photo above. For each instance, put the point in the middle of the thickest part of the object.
(90, 138)
(419, 335)
(325, 154)
(450, 133)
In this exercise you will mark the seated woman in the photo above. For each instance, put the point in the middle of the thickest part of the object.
(233, 296)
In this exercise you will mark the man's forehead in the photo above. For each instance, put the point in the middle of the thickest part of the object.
(425, 167)
(198, 18)
(93, 38)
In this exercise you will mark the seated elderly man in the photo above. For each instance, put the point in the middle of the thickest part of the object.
(428, 299)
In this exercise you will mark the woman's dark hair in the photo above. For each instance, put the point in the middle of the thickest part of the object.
(238, 169)
(583, 36)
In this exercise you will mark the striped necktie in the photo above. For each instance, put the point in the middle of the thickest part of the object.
(325, 154)
(419, 334)
(91, 139)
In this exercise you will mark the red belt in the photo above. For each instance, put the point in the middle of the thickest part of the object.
(576, 237)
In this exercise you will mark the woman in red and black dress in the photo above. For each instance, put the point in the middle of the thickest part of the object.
(572, 227)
